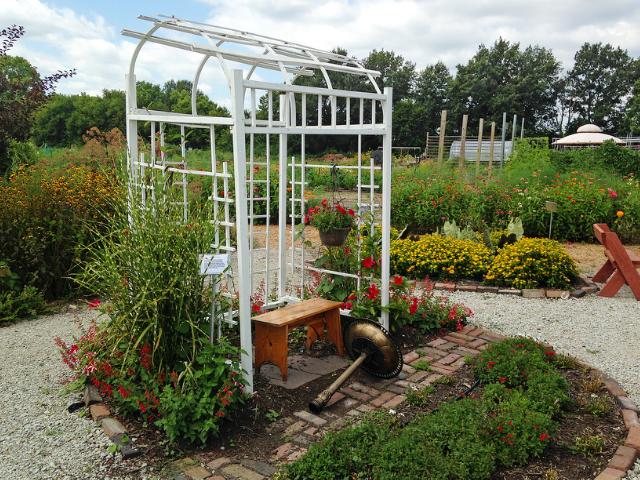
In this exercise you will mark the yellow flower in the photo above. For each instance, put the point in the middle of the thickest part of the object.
(620, 214)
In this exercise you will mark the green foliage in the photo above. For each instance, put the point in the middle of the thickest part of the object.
(153, 355)
(588, 445)
(598, 85)
(419, 398)
(345, 454)
(23, 304)
(531, 263)
(47, 212)
(598, 406)
(466, 439)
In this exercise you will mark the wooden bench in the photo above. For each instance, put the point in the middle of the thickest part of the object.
(621, 266)
(272, 330)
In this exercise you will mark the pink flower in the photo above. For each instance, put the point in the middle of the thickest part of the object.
(94, 303)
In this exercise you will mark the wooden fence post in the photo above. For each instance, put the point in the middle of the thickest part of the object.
(443, 126)
(479, 147)
(491, 139)
(463, 139)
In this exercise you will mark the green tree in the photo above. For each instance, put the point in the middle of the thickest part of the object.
(504, 78)
(431, 93)
(395, 72)
(22, 92)
(632, 112)
(599, 84)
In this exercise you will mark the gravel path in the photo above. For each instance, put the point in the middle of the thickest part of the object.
(39, 439)
(604, 332)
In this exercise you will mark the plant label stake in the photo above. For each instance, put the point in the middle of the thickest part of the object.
(212, 265)
(551, 207)
(372, 349)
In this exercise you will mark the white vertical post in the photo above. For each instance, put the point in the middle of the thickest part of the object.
(386, 203)
(242, 240)
(132, 132)
(282, 204)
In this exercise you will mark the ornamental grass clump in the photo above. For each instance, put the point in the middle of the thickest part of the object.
(532, 263)
(151, 356)
(437, 256)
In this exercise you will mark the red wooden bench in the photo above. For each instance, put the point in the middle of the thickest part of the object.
(621, 266)
(272, 330)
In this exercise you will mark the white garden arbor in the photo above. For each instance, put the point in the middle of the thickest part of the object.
(242, 56)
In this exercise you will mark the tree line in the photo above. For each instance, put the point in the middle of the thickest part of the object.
(602, 87)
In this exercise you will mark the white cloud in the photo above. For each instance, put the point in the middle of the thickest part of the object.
(424, 31)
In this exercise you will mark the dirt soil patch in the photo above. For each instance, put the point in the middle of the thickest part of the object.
(590, 257)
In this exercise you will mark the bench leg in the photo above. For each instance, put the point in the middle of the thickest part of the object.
(314, 330)
(614, 284)
(334, 330)
(605, 272)
(272, 346)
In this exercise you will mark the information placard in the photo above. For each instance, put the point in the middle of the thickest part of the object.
(214, 264)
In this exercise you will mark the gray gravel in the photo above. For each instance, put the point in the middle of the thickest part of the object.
(39, 439)
(604, 332)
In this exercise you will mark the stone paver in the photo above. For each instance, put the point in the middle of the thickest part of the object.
(239, 472)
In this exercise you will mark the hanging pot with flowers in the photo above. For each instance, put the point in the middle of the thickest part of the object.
(334, 222)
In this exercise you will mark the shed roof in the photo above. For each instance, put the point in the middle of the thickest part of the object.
(588, 134)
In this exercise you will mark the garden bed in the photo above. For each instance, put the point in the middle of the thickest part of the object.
(587, 436)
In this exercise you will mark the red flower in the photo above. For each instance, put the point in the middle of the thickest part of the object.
(219, 413)
(368, 262)
(174, 377)
(353, 296)
(490, 365)
(502, 379)
(413, 308)
(347, 305)
(500, 428)
(341, 209)
(255, 308)
(372, 292)
(351, 212)
(398, 280)
(550, 353)
(543, 437)
(459, 326)
(123, 392)
(612, 193)
(94, 303)
(347, 251)
(73, 349)
(307, 219)
(142, 407)
(324, 202)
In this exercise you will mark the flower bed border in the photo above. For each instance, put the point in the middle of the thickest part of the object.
(585, 286)
(111, 426)
(360, 398)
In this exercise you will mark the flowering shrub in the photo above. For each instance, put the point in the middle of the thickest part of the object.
(152, 356)
(420, 309)
(327, 217)
(532, 262)
(47, 213)
(436, 256)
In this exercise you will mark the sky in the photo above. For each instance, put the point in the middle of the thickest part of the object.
(85, 34)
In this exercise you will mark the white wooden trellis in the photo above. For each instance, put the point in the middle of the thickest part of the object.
(255, 52)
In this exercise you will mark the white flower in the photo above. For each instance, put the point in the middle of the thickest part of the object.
(392, 411)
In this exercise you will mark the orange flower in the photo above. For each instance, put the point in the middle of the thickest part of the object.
(619, 214)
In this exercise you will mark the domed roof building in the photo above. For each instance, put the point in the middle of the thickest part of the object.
(588, 135)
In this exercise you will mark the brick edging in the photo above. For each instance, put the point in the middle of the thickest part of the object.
(587, 286)
(112, 428)
(626, 454)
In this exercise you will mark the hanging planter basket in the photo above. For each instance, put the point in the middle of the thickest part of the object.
(335, 237)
